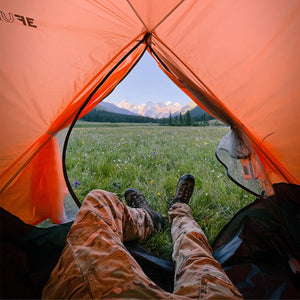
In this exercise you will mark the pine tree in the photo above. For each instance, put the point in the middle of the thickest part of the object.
(188, 120)
(206, 120)
(180, 119)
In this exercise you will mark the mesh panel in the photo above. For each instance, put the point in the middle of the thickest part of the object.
(243, 165)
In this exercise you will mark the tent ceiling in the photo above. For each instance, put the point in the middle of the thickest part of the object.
(238, 59)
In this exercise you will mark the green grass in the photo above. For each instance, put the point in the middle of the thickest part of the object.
(152, 159)
(85, 124)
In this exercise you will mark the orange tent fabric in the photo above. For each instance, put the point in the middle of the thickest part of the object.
(236, 59)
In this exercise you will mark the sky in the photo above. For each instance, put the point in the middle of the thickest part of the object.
(147, 82)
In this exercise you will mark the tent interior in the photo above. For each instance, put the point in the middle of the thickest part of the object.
(237, 60)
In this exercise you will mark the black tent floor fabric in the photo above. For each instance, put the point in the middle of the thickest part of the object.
(259, 249)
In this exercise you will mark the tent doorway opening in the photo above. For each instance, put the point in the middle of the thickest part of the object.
(149, 151)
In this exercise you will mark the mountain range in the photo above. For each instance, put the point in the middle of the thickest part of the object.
(149, 109)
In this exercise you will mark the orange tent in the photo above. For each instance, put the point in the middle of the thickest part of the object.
(239, 60)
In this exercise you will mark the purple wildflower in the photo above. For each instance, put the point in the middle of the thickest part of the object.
(76, 184)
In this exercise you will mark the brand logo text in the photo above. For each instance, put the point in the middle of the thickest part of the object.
(10, 18)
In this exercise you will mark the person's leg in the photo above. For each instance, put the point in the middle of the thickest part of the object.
(136, 199)
(95, 263)
(197, 273)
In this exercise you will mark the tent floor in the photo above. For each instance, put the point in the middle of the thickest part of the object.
(256, 249)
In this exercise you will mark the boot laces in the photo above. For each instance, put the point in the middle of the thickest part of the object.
(137, 199)
(184, 191)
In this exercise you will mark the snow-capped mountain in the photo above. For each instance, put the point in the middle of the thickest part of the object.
(149, 109)
(110, 107)
(155, 110)
(191, 105)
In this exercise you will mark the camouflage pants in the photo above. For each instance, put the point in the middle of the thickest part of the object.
(95, 264)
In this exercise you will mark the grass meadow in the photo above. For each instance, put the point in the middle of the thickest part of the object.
(151, 159)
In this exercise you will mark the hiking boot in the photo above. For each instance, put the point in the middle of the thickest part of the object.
(136, 199)
(184, 191)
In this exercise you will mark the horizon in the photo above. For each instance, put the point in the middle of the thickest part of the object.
(147, 82)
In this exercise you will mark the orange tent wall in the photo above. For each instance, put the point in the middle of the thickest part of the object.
(47, 79)
(35, 186)
(237, 59)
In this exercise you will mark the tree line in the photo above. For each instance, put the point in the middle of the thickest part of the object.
(186, 120)
(97, 115)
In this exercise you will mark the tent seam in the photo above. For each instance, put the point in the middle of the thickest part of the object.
(139, 17)
(163, 19)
